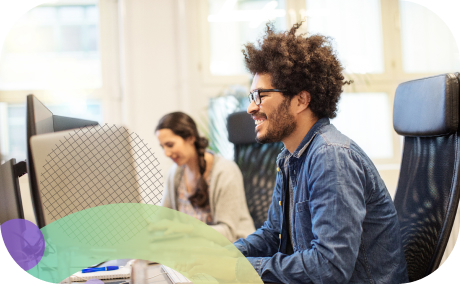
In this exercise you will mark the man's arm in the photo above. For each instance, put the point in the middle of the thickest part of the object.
(265, 240)
(337, 209)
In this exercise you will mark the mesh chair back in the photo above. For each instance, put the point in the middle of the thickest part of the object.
(257, 163)
(258, 166)
(428, 189)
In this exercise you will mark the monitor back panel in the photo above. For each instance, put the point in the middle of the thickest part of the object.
(39, 121)
(84, 168)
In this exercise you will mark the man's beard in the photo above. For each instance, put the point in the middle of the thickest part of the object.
(281, 124)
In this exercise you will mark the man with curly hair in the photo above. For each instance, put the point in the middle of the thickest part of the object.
(332, 219)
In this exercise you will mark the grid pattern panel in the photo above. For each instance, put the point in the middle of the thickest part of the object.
(99, 166)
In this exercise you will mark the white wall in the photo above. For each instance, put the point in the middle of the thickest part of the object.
(161, 65)
(149, 66)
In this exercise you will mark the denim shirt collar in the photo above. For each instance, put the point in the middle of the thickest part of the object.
(305, 141)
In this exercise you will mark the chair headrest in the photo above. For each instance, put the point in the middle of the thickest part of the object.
(427, 107)
(240, 127)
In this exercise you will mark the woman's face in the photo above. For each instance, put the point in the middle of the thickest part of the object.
(175, 147)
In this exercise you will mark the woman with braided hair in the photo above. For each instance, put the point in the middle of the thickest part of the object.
(200, 183)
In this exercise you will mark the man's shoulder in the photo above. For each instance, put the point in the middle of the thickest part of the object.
(328, 135)
(330, 141)
(329, 138)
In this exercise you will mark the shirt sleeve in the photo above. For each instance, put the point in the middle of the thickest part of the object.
(228, 197)
(337, 209)
(168, 190)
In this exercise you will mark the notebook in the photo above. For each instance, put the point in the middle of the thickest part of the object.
(122, 272)
(177, 278)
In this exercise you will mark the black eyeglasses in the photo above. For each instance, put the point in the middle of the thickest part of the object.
(255, 95)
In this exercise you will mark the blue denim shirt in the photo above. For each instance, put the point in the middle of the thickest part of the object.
(345, 227)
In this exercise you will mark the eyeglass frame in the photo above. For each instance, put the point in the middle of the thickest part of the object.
(252, 97)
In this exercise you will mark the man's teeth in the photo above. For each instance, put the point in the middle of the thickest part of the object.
(259, 121)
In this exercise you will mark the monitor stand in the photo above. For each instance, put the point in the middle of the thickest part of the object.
(10, 194)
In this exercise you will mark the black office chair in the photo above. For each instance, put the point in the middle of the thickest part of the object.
(426, 113)
(10, 194)
(257, 163)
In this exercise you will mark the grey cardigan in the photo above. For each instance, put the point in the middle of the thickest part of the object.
(229, 210)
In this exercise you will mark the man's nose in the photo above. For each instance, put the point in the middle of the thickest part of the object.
(252, 108)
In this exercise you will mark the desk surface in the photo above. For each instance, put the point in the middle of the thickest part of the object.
(153, 269)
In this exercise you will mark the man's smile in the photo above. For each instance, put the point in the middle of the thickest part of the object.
(259, 120)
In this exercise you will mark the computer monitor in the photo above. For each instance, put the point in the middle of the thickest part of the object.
(40, 120)
(90, 167)
(10, 195)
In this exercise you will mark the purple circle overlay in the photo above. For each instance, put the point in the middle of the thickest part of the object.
(94, 281)
(24, 242)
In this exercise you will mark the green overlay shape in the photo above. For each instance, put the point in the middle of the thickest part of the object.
(140, 231)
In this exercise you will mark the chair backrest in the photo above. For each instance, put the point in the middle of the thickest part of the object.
(426, 112)
(10, 195)
(257, 163)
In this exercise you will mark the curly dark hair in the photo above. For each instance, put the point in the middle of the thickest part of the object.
(299, 63)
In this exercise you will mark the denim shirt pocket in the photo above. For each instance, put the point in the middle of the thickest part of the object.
(303, 226)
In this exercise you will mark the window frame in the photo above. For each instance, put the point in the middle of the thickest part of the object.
(109, 94)
(207, 78)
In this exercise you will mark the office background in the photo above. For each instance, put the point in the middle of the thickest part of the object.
(128, 62)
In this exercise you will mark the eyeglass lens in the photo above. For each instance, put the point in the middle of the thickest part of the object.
(254, 96)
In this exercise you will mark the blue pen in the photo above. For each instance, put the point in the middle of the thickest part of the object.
(95, 269)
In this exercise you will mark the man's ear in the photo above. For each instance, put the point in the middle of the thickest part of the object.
(303, 101)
